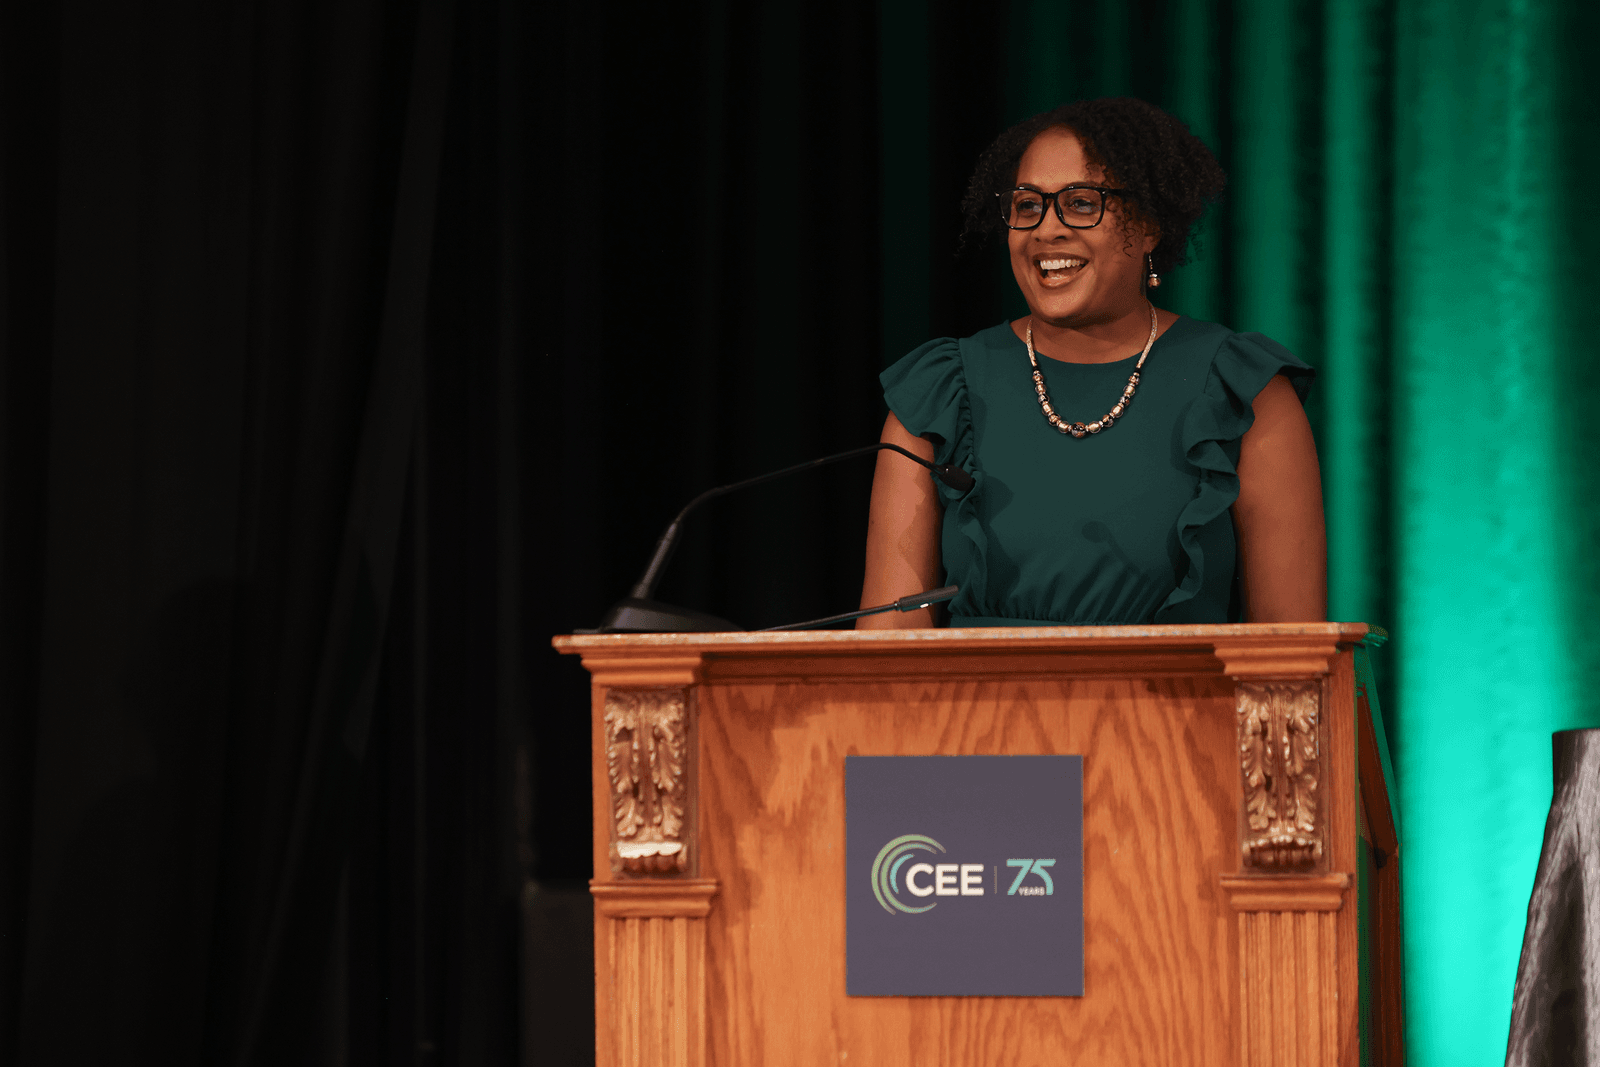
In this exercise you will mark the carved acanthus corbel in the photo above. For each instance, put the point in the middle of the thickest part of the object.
(1280, 761)
(646, 736)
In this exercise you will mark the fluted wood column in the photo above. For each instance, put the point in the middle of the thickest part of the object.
(1288, 968)
(652, 999)
(650, 906)
(1296, 993)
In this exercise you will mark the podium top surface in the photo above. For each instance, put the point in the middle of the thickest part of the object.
(964, 638)
(1261, 650)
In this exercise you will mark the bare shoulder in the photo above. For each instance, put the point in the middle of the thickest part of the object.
(1276, 403)
(1282, 543)
(902, 531)
(894, 433)
(1278, 450)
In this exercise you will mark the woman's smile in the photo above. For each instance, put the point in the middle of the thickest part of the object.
(1055, 269)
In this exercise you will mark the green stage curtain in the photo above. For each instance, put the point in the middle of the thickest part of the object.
(1411, 211)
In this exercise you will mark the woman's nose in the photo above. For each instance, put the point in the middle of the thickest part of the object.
(1053, 219)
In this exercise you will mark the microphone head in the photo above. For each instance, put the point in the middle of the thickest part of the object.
(954, 477)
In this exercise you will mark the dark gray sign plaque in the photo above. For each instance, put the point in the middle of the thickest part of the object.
(964, 876)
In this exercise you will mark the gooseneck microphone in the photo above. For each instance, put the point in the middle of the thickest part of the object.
(639, 613)
(906, 603)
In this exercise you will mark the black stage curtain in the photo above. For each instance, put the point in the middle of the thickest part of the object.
(348, 351)
(259, 729)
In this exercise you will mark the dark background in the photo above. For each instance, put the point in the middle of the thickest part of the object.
(348, 351)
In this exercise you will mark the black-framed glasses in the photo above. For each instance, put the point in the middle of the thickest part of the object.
(1079, 206)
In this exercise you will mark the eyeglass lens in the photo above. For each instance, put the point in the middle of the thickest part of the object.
(1080, 207)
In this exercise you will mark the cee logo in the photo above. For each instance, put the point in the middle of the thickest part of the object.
(924, 879)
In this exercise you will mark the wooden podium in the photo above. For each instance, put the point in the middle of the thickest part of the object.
(1241, 875)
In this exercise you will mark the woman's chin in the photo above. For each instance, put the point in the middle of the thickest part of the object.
(1078, 307)
(1057, 308)
(1068, 298)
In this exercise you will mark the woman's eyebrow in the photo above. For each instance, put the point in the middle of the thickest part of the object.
(1064, 188)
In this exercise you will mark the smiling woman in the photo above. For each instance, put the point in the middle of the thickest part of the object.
(1130, 465)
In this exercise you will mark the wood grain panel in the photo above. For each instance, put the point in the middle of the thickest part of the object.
(1344, 830)
(1161, 797)
(655, 998)
(1387, 1002)
(1289, 995)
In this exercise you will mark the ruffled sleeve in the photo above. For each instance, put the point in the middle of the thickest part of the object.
(1211, 429)
(927, 391)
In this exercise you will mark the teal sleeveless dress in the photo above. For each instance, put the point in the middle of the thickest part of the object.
(1125, 527)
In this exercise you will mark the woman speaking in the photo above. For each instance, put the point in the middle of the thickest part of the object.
(1131, 465)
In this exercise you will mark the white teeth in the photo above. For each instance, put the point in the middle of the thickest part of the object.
(1059, 264)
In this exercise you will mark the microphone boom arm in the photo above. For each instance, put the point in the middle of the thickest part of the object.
(905, 603)
(645, 588)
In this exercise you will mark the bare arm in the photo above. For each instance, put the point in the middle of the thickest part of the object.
(1283, 548)
(902, 532)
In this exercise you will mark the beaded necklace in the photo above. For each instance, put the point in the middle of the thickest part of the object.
(1078, 429)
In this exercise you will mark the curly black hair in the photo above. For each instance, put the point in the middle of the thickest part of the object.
(1169, 175)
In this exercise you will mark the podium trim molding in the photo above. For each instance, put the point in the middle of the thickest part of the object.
(655, 899)
(1316, 893)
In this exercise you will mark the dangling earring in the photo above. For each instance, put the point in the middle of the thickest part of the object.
(1153, 280)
